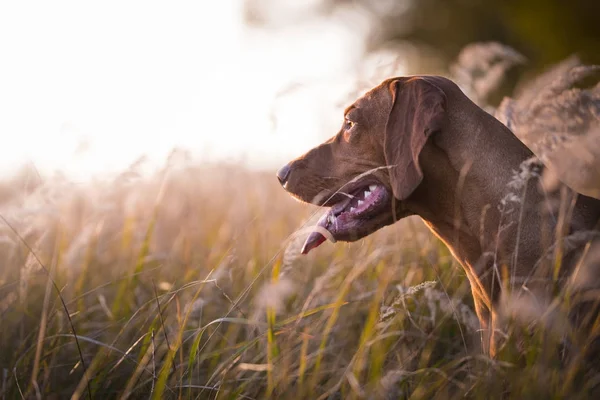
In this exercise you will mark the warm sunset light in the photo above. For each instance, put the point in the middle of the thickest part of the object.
(299, 199)
(88, 88)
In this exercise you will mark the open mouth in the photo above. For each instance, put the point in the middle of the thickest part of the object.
(355, 217)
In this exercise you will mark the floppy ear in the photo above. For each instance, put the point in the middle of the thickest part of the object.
(418, 110)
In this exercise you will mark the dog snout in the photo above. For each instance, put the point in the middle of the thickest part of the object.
(283, 174)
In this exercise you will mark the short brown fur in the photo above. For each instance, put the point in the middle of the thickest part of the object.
(449, 162)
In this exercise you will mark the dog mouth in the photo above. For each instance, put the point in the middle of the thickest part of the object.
(359, 215)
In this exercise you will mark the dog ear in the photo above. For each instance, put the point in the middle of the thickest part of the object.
(418, 110)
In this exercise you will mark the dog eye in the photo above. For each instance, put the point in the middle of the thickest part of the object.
(349, 125)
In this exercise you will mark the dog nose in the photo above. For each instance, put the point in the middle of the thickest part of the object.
(283, 174)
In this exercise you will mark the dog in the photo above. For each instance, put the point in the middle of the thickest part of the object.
(419, 146)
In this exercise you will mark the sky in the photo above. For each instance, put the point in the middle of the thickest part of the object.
(88, 88)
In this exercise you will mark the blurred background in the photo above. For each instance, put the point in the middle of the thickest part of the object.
(138, 258)
(88, 89)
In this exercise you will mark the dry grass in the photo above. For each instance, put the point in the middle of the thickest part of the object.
(187, 284)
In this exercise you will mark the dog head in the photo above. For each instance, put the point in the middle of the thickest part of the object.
(371, 165)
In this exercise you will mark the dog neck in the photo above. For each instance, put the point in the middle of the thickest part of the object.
(466, 179)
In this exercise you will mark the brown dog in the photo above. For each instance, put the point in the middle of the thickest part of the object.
(419, 146)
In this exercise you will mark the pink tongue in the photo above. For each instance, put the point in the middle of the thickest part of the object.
(315, 239)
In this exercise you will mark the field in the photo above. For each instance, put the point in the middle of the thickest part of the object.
(189, 284)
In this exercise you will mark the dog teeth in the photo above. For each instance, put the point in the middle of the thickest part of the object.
(360, 202)
(367, 193)
(372, 187)
(352, 209)
(331, 219)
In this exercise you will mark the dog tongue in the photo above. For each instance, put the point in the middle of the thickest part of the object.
(315, 239)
